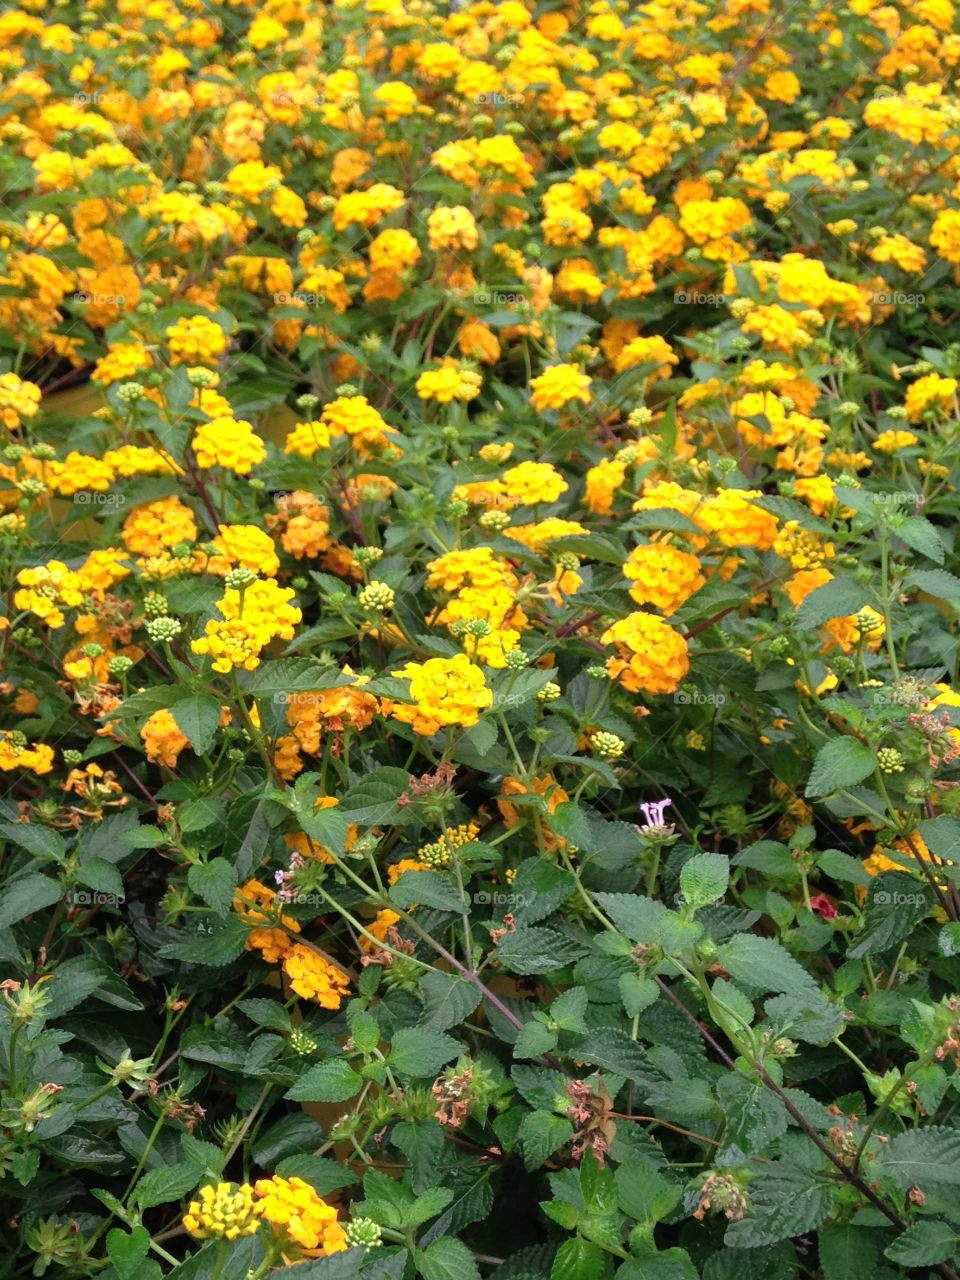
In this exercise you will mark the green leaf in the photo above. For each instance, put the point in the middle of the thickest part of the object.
(671, 1264)
(568, 1010)
(614, 1050)
(645, 1194)
(635, 916)
(171, 1182)
(447, 999)
(922, 536)
(577, 1259)
(923, 1244)
(101, 876)
(374, 800)
(935, 582)
(704, 878)
(895, 905)
(284, 676)
(242, 1257)
(198, 717)
(417, 1052)
(215, 942)
(760, 964)
(447, 1259)
(514, 688)
(841, 763)
(637, 993)
(540, 886)
(784, 1203)
(770, 857)
(754, 1116)
(128, 1252)
(842, 867)
(42, 842)
(83, 977)
(537, 950)
(810, 1017)
(428, 1205)
(429, 888)
(542, 1133)
(838, 598)
(214, 882)
(331, 1081)
(847, 1252)
(533, 1040)
(925, 1157)
(30, 893)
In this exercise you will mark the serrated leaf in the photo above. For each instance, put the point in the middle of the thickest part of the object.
(928, 1157)
(427, 888)
(754, 1116)
(923, 1244)
(534, 1039)
(922, 536)
(577, 1259)
(760, 964)
(637, 917)
(935, 582)
(421, 1051)
(841, 866)
(704, 878)
(847, 1252)
(331, 1081)
(537, 950)
(171, 1182)
(616, 1051)
(30, 893)
(214, 882)
(542, 1133)
(840, 763)
(447, 1259)
(838, 598)
(448, 1000)
(198, 717)
(214, 941)
(784, 1203)
(374, 800)
(42, 842)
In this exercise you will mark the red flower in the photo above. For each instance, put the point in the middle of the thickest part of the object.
(822, 904)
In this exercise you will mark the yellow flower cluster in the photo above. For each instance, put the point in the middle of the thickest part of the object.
(252, 617)
(444, 692)
(229, 443)
(652, 657)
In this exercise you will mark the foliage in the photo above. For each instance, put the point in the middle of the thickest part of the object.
(480, 705)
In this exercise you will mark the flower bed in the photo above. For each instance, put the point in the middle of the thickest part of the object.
(480, 720)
